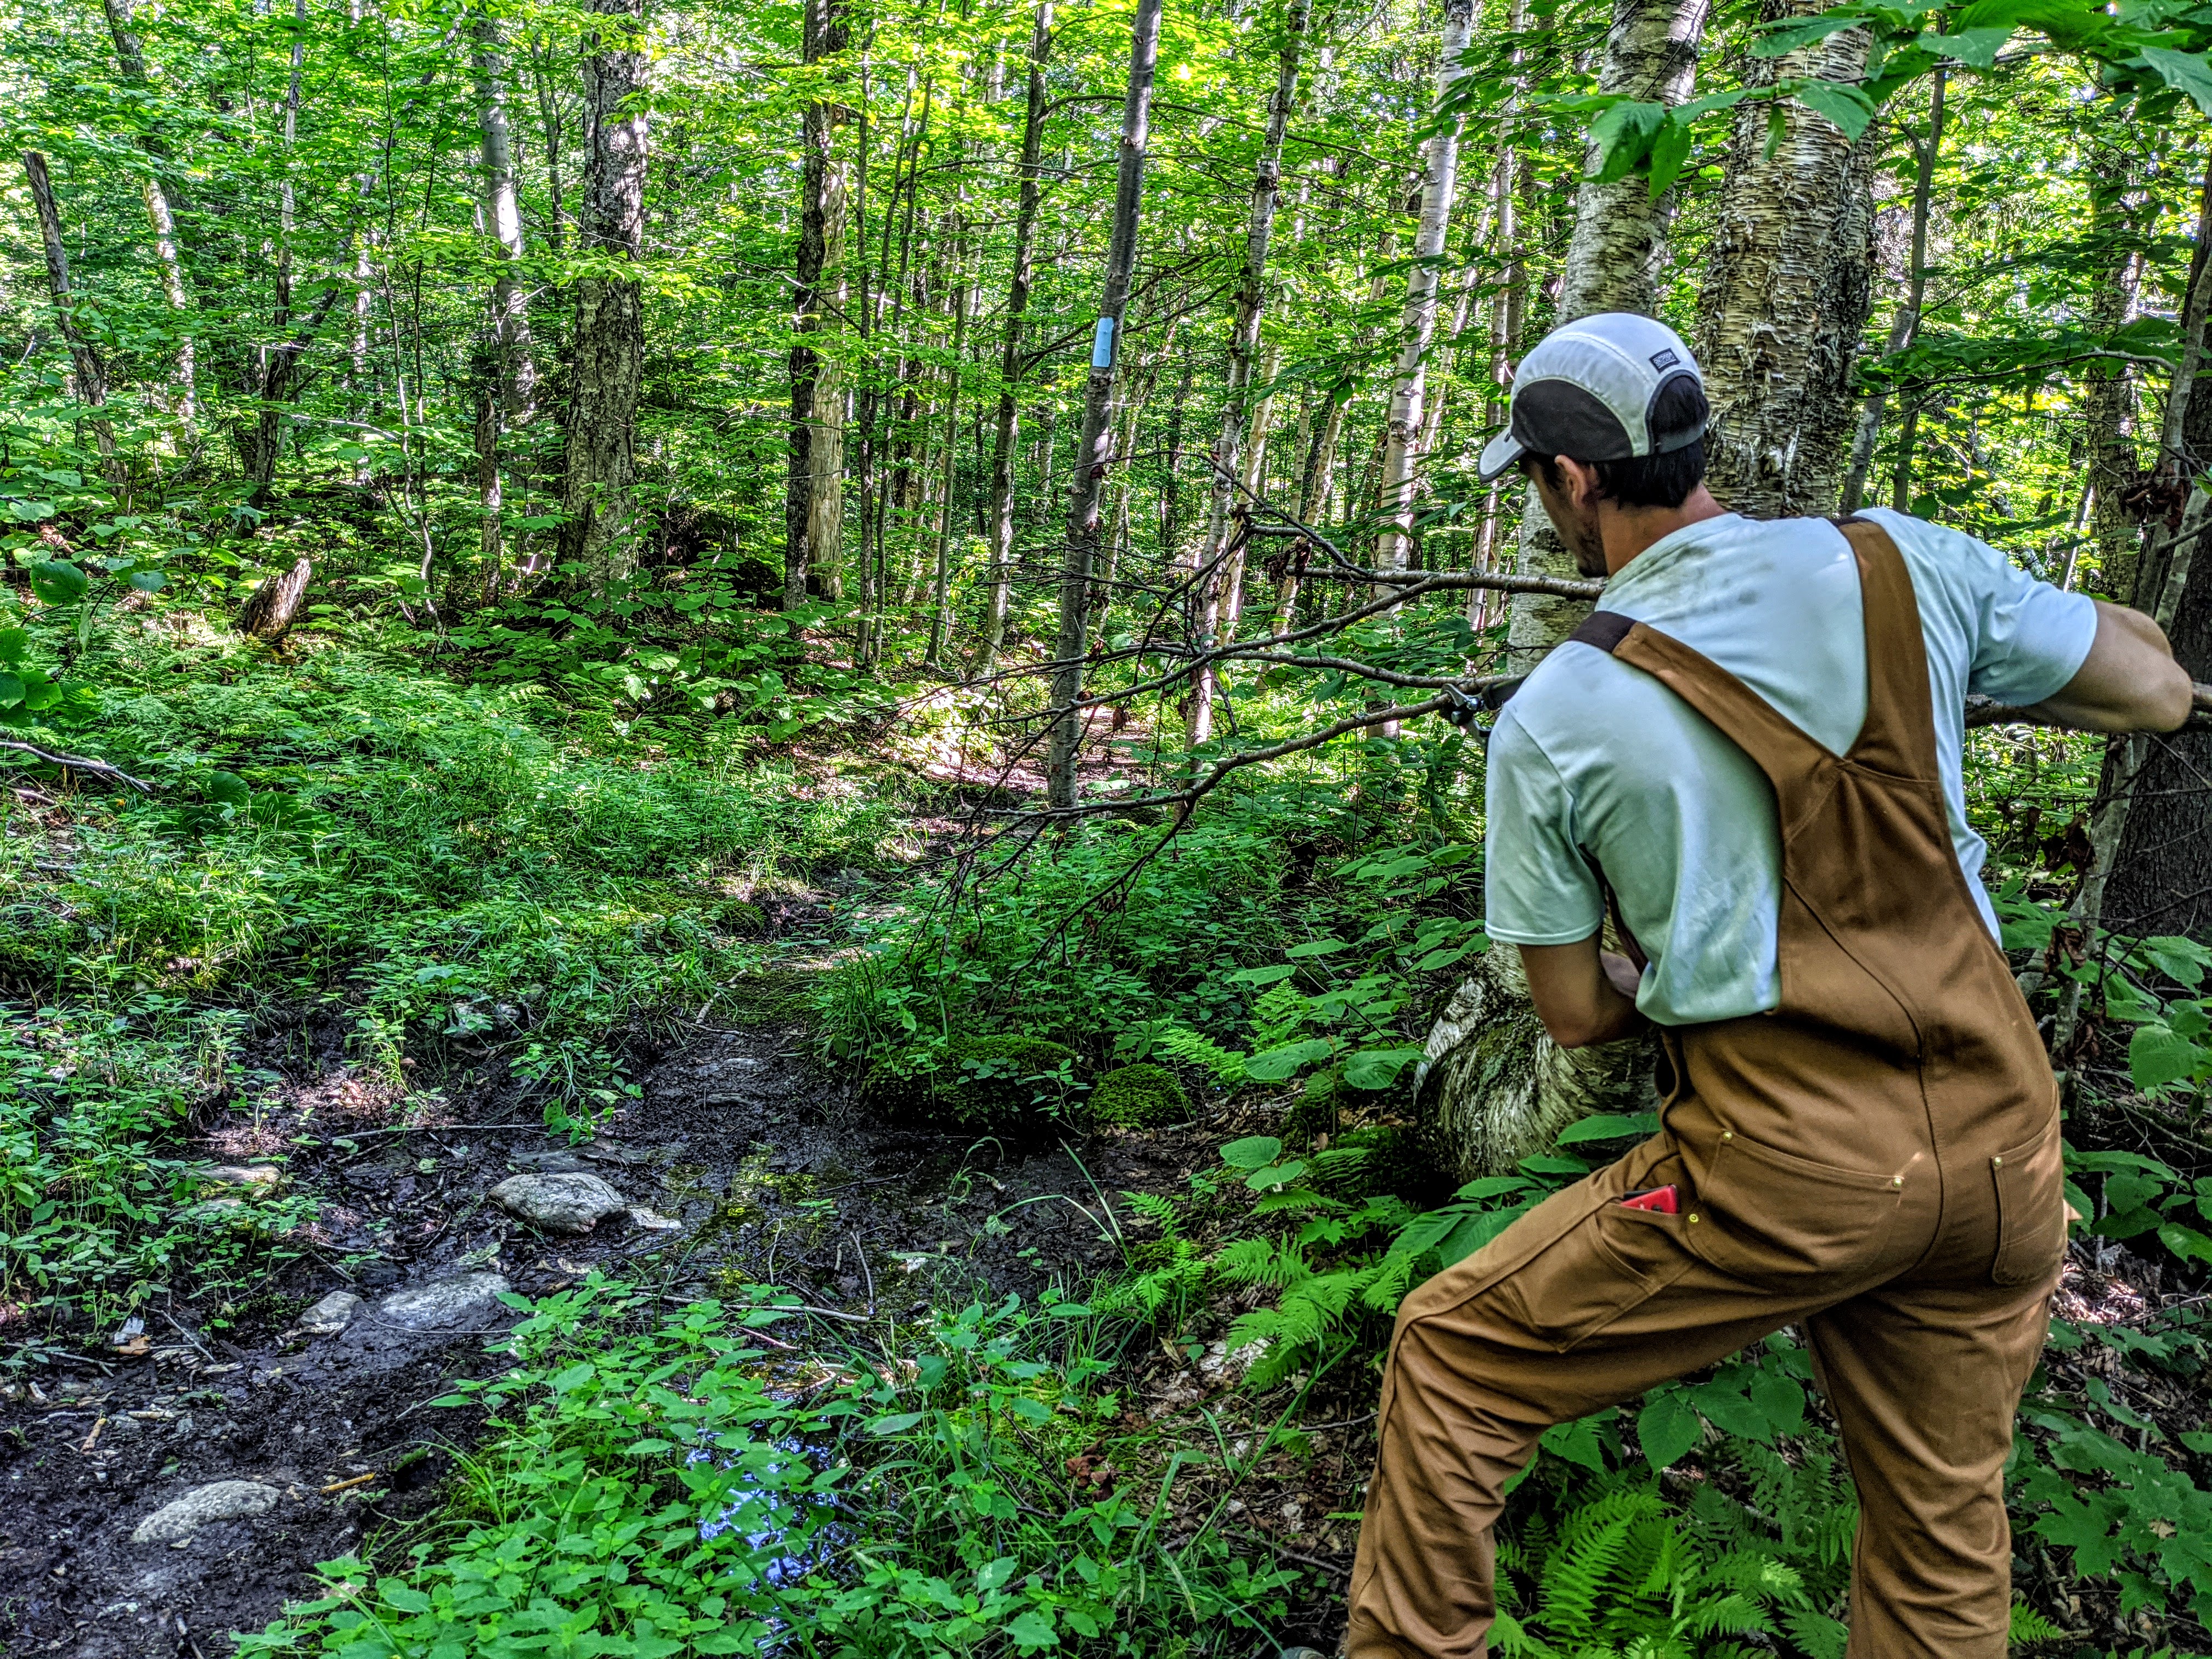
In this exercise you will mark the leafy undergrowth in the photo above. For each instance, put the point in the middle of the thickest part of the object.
(419, 868)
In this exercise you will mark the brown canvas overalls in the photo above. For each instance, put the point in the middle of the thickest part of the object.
(1877, 1159)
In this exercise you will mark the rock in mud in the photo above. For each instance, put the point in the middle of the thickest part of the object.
(573, 1203)
(331, 1314)
(261, 1178)
(471, 1299)
(175, 1522)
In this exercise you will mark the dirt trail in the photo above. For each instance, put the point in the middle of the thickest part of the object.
(772, 1176)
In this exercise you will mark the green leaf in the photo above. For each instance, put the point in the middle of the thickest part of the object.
(1669, 151)
(1610, 1127)
(1319, 947)
(1851, 109)
(2157, 1056)
(57, 581)
(2186, 1243)
(1032, 1630)
(1976, 48)
(1788, 36)
(1252, 1152)
(1623, 134)
(898, 1424)
(1276, 1064)
(1576, 1442)
(1281, 970)
(14, 645)
(1275, 1175)
(1378, 1068)
(2184, 71)
(1031, 1410)
(149, 581)
(1667, 1428)
(226, 789)
(11, 690)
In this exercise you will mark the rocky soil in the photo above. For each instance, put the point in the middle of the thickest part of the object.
(162, 1494)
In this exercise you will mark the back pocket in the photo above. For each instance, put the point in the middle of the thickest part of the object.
(1773, 1219)
(2031, 1184)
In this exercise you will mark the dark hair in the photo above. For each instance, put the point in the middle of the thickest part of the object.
(1664, 480)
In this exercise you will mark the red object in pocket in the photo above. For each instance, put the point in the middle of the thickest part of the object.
(1660, 1199)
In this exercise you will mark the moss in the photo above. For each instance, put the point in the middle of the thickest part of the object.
(990, 1084)
(1142, 1097)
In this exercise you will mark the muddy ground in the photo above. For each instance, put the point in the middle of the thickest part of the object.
(774, 1174)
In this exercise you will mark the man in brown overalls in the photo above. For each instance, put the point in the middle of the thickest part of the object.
(1861, 1130)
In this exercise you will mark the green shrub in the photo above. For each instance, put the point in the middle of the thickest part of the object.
(1139, 1096)
(740, 918)
(994, 1084)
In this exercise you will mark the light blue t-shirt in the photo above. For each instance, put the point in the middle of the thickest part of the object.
(1593, 756)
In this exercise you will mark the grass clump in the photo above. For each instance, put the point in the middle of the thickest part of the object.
(1139, 1096)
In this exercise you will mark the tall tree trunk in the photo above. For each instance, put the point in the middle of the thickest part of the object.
(1402, 447)
(161, 209)
(2108, 394)
(1065, 740)
(511, 400)
(1904, 327)
(941, 588)
(2147, 837)
(261, 438)
(1243, 342)
(598, 532)
(1012, 362)
(90, 372)
(1787, 294)
(820, 212)
(1615, 256)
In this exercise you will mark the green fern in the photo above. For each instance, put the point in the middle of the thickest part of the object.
(1188, 1047)
(1621, 1576)
(1281, 1014)
(2029, 1625)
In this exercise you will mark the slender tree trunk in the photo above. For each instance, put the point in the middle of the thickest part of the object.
(1067, 734)
(1904, 327)
(511, 400)
(1787, 295)
(261, 438)
(1615, 256)
(1243, 342)
(89, 370)
(941, 590)
(1012, 362)
(1401, 446)
(824, 34)
(160, 210)
(1314, 483)
(2108, 398)
(2148, 877)
(598, 532)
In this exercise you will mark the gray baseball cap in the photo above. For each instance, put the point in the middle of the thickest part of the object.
(1590, 390)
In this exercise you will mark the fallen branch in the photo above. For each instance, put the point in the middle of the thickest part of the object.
(97, 768)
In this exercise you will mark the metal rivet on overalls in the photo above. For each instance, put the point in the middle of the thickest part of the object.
(1693, 1221)
(1996, 1163)
(1897, 1180)
(1727, 1136)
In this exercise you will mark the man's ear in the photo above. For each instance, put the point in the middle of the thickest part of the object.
(1581, 479)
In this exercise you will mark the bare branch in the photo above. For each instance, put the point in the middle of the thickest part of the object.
(97, 768)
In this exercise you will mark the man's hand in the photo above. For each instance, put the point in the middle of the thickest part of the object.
(1583, 995)
(2129, 682)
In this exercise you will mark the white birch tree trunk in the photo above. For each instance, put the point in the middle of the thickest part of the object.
(1614, 261)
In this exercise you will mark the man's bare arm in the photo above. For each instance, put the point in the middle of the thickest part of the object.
(1583, 995)
(2129, 682)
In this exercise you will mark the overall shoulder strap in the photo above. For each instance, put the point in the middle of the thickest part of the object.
(1900, 734)
(1780, 748)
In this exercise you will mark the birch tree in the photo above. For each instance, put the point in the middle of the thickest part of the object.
(90, 370)
(1617, 250)
(161, 207)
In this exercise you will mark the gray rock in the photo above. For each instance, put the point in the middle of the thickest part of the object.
(569, 1203)
(471, 1299)
(253, 1177)
(175, 1521)
(331, 1314)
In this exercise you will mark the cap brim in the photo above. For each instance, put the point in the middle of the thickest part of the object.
(1500, 455)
